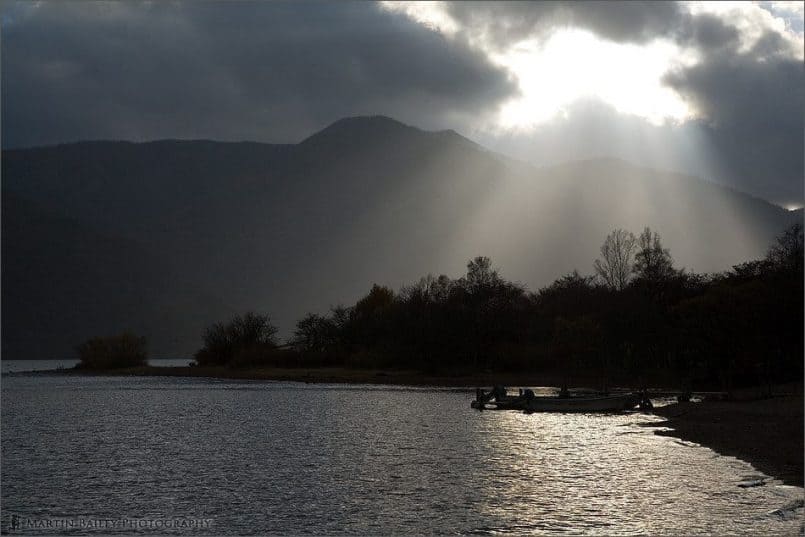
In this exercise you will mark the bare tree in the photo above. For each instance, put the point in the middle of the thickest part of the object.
(615, 266)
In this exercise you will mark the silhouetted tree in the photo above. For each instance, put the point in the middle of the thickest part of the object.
(369, 318)
(428, 289)
(616, 264)
(314, 333)
(787, 251)
(742, 326)
(223, 340)
(483, 302)
(652, 262)
(253, 328)
(577, 342)
(425, 326)
(480, 275)
(375, 303)
(570, 295)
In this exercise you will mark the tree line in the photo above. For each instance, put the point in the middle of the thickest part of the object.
(636, 317)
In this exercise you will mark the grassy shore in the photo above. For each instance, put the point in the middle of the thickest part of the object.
(768, 433)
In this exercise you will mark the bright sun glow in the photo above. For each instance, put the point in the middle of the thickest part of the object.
(574, 64)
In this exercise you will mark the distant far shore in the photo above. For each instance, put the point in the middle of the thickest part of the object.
(392, 376)
(335, 375)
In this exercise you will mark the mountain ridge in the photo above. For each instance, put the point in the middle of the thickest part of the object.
(360, 125)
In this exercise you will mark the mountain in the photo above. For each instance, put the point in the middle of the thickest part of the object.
(288, 229)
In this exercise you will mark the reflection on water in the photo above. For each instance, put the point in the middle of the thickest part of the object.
(293, 458)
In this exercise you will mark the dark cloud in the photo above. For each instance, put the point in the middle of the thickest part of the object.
(504, 23)
(752, 108)
(261, 71)
(706, 31)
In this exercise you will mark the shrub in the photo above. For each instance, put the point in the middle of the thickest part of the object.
(123, 350)
(223, 341)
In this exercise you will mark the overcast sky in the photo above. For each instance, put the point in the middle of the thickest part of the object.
(711, 89)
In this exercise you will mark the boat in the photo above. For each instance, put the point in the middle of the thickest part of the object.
(605, 403)
(498, 399)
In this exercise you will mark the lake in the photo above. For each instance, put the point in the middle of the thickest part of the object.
(200, 456)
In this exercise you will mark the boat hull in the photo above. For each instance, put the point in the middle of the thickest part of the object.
(615, 403)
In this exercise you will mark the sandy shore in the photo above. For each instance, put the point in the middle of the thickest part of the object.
(768, 433)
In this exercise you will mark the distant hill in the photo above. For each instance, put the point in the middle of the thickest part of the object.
(287, 229)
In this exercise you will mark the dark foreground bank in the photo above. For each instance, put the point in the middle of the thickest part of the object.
(768, 433)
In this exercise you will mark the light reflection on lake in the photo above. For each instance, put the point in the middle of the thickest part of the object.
(292, 458)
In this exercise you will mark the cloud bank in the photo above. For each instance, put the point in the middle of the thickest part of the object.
(278, 71)
(262, 71)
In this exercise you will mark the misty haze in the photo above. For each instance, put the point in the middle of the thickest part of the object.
(408, 267)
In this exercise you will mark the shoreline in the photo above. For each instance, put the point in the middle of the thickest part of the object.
(327, 375)
(393, 377)
(767, 433)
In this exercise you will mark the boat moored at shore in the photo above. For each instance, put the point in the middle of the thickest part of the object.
(499, 399)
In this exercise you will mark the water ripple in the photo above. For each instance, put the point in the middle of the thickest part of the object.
(270, 458)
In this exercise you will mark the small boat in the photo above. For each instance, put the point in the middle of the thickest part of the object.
(498, 399)
(606, 403)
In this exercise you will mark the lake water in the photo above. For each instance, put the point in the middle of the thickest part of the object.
(260, 457)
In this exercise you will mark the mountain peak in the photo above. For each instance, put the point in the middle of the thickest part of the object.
(375, 120)
(359, 128)
(364, 131)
